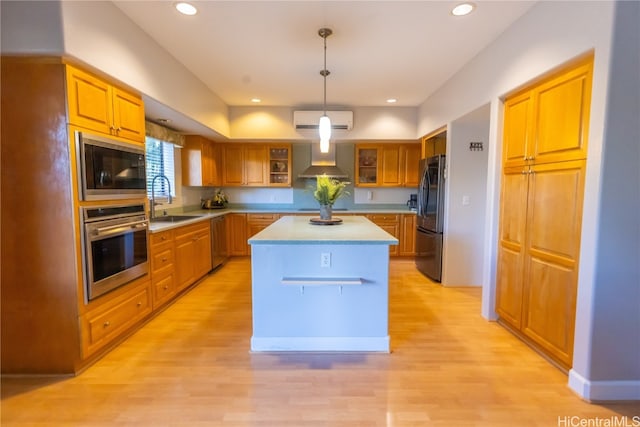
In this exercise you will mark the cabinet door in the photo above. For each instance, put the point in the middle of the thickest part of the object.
(255, 160)
(518, 118)
(513, 217)
(391, 159)
(279, 165)
(408, 235)
(237, 234)
(367, 170)
(233, 172)
(89, 100)
(391, 224)
(128, 115)
(411, 162)
(202, 247)
(185, 256)
(562, 114)
(554, 219)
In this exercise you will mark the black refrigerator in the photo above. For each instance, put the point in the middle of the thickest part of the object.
(430, 217)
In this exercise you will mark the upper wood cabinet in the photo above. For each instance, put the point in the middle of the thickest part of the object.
(550, 122)
(244, 165)
(256, 165)
(435, 143)
(279, 165)
(200, 162)
(387, 165)
(97, 105)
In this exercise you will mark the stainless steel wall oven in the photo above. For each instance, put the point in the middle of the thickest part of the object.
(114, 246)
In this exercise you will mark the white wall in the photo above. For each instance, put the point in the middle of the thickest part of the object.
(368, 123)
(466, 200)
(31, 27)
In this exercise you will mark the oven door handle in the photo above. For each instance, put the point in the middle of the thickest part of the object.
(114, 230)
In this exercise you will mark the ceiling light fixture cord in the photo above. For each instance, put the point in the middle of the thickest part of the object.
(325, 123)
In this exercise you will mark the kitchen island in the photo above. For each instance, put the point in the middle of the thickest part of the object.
(320, 287)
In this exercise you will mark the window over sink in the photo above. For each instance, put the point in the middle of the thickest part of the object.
(161, 159)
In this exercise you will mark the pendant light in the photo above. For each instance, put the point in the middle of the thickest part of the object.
(324, 126)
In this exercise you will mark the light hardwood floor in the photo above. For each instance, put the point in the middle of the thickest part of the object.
(191, 366)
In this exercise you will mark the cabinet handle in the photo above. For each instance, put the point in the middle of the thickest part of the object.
(524, 172)
(165, 287)
(106, 324)
(163, 238)
(530, 158)
(139, 304)
(164, 260)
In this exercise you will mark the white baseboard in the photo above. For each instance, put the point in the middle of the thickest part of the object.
(595, 391)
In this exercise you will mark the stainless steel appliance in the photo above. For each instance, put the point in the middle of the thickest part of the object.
(413, 202)
(219, 251)
(114, 247)
(430, 217)
(110, 169)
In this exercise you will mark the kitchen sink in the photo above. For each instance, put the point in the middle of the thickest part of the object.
(174, 218)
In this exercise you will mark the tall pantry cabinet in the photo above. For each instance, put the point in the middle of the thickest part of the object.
(544, 158)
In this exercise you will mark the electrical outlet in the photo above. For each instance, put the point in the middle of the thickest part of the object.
(325, 259)
(369, 195)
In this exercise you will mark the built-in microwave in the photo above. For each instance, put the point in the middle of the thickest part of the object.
(110, 169)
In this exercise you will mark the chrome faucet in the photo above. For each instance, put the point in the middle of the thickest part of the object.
(153, 193)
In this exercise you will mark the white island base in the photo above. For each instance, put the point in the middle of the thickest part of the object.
(320, 288)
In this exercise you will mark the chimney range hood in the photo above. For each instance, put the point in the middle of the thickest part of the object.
(323, 164)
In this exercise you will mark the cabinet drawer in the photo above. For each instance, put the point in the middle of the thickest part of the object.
(162, 237)
(162, 258)
(384, 217)
(163, 289)
(262, 217)
(100, 329)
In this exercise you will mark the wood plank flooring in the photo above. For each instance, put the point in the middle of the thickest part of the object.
(191, 366)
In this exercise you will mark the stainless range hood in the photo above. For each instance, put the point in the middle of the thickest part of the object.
(323, 164)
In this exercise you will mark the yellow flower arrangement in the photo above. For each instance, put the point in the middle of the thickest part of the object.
(328, 190)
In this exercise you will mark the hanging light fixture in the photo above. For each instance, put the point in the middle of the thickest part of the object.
(324, 126)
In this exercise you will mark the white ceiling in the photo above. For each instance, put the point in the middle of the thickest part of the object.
(272, 50)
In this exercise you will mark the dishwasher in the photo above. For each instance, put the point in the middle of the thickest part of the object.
(219, 252)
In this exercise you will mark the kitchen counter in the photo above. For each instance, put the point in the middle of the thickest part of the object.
(205, 214)
(320, 287)
(353, 230)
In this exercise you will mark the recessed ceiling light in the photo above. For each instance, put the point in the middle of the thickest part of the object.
(164, 121)
(256, 100)
(186, 8)
(392, 100)
(463, 9)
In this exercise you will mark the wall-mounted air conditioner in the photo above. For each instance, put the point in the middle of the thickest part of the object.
(342, 120)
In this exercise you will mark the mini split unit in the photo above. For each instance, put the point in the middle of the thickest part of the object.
(340, 120)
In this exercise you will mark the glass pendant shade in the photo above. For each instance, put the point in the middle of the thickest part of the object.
(324, 128)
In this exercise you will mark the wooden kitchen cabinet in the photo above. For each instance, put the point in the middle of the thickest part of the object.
(162, 256)
(100, 106)
(279, 165)
(200, 162)
(407, 245)
(435, 143)
(549, 122)
(237, 234)
(258, 222)
(192, 253)
(541, 210)
(244, 165)
(100, 327)
(387, 165)
(389, 223)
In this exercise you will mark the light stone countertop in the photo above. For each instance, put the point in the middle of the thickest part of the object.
(353, 230)
(207, 214)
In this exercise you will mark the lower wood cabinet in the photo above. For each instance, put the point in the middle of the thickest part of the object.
(389, 223)
(258, 222)
(163, 282)
(237, 234)
(193, 253)
(407, 235)
(111, 320)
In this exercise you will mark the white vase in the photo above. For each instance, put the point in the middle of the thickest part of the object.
(326, 211)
